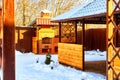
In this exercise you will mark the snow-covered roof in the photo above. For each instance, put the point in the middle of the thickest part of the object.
(45, 11)
(91, 8)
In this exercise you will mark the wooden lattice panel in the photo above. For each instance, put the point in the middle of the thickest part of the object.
(112, 50)
(68, 32)
(70, 54)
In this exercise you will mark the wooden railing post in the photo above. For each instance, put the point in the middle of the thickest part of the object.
(8, 46)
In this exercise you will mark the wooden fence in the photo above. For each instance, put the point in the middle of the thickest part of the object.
(23, 38)
(94, 39)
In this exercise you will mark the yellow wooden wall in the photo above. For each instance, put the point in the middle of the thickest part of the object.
(70, 54)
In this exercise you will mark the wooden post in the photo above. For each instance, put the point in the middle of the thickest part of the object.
(83, 39)
(109, 33)
(37, 36)
(75, 32)
(0, 37)
(59, 31)
(8, 47)
(18, 40)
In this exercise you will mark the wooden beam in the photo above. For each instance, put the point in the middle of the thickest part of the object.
(59, 31)
(83, 39)
(94, 22)
(76, 32)
(8, 46)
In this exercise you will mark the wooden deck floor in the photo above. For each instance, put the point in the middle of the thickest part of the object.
(96, 66)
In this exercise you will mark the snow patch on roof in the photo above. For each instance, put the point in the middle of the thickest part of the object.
(45, 11)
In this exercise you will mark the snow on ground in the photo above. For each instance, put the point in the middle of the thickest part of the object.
(95, 55)
(28, 69)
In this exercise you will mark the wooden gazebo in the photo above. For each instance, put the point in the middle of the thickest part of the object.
(94, 12)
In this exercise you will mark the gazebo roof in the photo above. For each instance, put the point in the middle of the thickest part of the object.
(70, 13)
(95, 7)
(92, 8)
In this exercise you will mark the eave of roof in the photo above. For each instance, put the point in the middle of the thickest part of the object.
(80, 18)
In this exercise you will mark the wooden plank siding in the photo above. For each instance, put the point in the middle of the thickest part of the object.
(70, 54)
